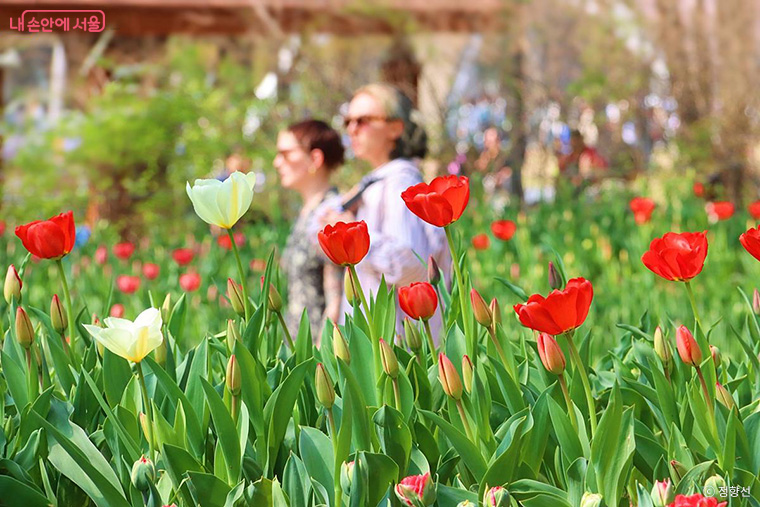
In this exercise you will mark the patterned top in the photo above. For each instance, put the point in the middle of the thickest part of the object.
(304, 264)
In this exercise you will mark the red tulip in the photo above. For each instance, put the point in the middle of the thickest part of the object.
(687, 346)
(642, 208)
(441, 202)
(750, 240)
(117, 311)
(258, 265)
(560, 311)
(345, 243)
(190, 282)
(481, 242)
(418, 300)
(699, 189)
(49, 239)
(224, 240)
(503, 229)
(721, 210)
(183, 256)
(416, 490)
(128, 284)
(2, 227)
(551, 354)
(124, 250)
(677, 256)
(754, 210)
(150, 270)
(101, 255)
(696, 500)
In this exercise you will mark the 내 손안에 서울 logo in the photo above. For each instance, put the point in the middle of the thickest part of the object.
(47, 21)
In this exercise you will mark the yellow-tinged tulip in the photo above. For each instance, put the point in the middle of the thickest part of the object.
(222, 203)
(130, 340)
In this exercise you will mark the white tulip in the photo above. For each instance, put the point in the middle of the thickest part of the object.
(130, 340)
(222, 203)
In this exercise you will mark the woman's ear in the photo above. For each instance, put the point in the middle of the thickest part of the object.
(317, 158)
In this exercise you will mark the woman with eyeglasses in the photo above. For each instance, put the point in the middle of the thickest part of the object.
(382, 132)
(307, 154)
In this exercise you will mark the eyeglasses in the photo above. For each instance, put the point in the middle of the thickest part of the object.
(361, 121)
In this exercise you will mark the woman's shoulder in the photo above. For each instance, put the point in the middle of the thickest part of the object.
(402, 171)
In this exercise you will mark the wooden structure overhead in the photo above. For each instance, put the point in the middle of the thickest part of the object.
(276, 17)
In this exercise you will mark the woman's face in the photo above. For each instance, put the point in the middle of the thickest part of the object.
(372, 135)
(292, 162)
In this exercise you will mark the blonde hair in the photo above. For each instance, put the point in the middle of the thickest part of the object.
(397, 106)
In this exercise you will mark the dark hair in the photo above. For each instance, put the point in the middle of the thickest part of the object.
(318, 135)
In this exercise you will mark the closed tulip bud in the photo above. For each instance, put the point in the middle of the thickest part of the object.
(434, 272)
(716, 357)
(467, 371)
(340, 346)
(58, 315)
(495, 312)
(144, 425)
(496, 497)
(480, 309)
(663, 493)
(24, 328)
(325, 390)
(233, 379)
(159, 353)
(551, 354)
(413, 338)
(232, 334)
(12, 286)
(715, 487)
(555, 278)
(143, 474)
(724, 396)
(662, 349)
(274, 299)
(466, 503)
(688, 349)
(388, 358)
(591, 500)
(95, 320)
(449, 377)
(416, 490)
(166, 309)
(347, 476)
(234, 294)
(678, 469)
(348, 289)
(756, 302)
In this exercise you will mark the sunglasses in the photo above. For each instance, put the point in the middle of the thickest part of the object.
(361, 121)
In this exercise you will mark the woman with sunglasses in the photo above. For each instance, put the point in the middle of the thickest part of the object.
(382, 133)
(307, 154)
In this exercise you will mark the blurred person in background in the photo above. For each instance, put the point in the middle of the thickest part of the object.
(308, 152)
(583, 164)
(382, 133)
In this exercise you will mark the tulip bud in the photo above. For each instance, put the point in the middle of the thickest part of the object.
(143, 474)
(24, 328)
(233, 379)
(236, 298)
(688, 348)
(58, 315)
(340, 346)
(159, 353)
(591, 500)
(663, 493)
(496, 497)
(495, 312)
(480, 309)
(662, 349)
(166, 309)
(325, 390)
(467, 372)
(466, 503)
(232, 334)
(678, 469)
(756, 302)
(551, 354)
(274, 299)
(388, 358)
(12, 286)
(449, 377)
(417, 490)
(413, 338)
(347, 476)
(715, 487)
(716, 357)
(434, 272)
(724, 396)
(555, 278)
(348, 290)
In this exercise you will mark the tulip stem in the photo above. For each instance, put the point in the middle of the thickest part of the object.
(693, 302)
(396, 393)
(285, 329)
(431, 344)
(465, 422)
(234, 404)
(241, 274)
(708, 398)
(336, 459)
(500, 351)
(70, 312)
(148, 411)
(466, 315)
(576, 357)
(357, 287)
(568, 401)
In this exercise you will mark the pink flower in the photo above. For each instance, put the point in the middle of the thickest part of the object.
(190, 282)
(128, 284)
(117, 311)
